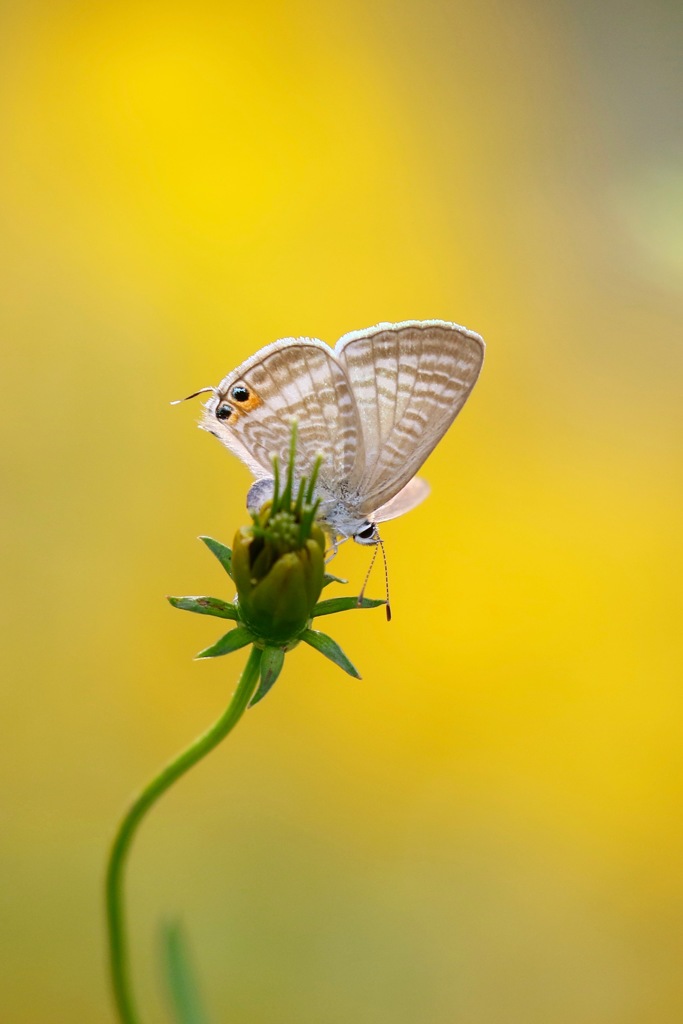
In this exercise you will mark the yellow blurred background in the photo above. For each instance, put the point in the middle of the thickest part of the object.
(487, 828)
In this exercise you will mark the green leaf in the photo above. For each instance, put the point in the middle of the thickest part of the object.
(330, 648)
(180, 978)
(232, 641)
(328, 578)
(205, 606)
(223, 554)
(343, 604)
(272, 661)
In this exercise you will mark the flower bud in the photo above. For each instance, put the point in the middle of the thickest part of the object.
(278, 565)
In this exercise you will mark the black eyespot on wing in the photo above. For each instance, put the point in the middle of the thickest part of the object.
(240, 393)
(224, 411)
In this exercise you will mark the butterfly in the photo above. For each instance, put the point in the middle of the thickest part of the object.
(374, 408)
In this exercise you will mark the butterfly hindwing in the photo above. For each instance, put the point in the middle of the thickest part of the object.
(408, 498)
(409, 381)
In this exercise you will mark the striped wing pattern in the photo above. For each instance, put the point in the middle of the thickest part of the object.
(374, 408)
(295, 378)
(409, 382)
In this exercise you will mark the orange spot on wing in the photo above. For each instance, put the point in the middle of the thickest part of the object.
(252, 402)
(247, 405)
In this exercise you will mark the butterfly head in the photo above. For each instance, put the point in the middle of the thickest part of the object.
(367, 534)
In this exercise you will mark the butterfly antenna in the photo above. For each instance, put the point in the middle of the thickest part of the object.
(386, 577)
(367, 577)
(201, 391)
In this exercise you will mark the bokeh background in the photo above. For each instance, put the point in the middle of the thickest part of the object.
(488, 827)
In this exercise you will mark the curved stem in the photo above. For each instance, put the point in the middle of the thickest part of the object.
(203, 745)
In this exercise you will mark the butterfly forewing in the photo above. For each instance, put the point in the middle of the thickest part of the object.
(293, 379)
(409, 381)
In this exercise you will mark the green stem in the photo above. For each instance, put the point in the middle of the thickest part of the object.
(203, 745)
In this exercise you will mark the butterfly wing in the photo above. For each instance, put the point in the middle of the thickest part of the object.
(295, 378)
(408, 498)
(409, 380)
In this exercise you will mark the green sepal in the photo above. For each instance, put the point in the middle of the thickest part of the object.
(329, 578)
(222, 553)
(343, 604)
(180, 978)
(232, 641)
(330, 648)
(205, 606)
(272, 660)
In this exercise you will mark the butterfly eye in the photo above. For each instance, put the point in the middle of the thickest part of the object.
(224, 411)
(367, 533)
(240, 393)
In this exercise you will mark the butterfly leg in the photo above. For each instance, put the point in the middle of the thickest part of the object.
(336, 544)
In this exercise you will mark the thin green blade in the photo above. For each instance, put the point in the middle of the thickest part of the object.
(205, 606)
(180, 978)
(223, 554)
(272, 661)
(232, 641)
(343, 604)
(329, 578)
(331, 649)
